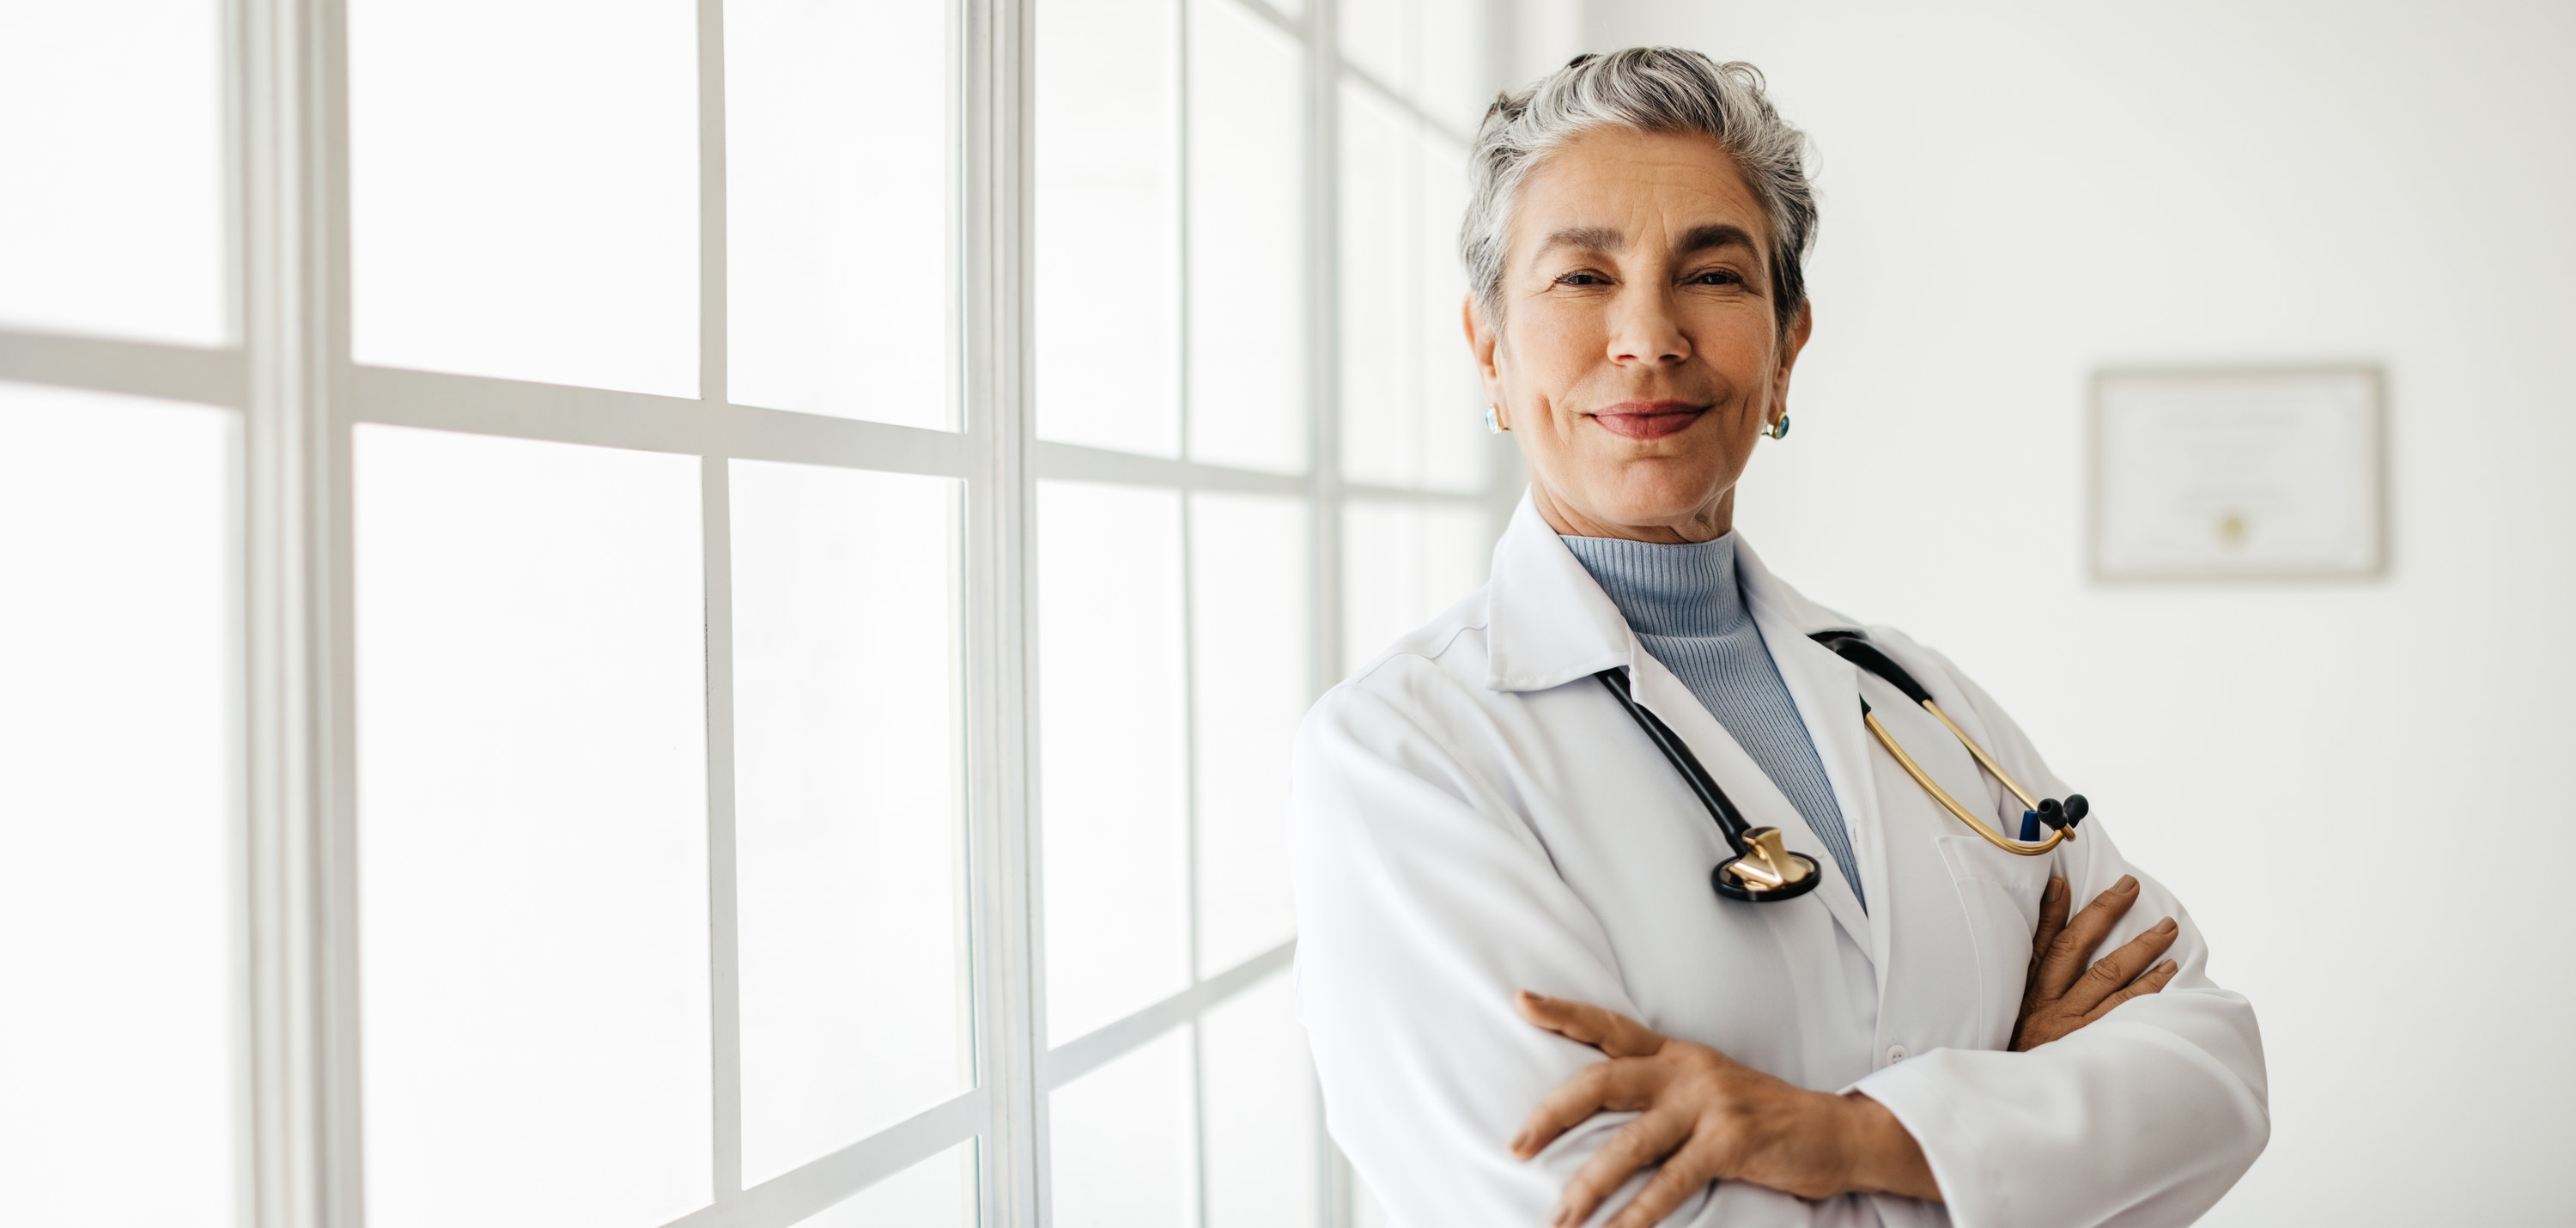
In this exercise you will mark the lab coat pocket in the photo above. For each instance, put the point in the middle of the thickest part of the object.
(1999, 892)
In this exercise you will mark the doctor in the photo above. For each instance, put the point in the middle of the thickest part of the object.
(1524, 1000)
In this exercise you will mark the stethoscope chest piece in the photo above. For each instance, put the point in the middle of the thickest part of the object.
(1765, 871)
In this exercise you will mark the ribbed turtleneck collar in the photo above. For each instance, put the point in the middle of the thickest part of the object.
(1668, 590)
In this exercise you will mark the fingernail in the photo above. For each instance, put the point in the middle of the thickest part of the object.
(2056, 887)
(2127, 883)
(2165, 926)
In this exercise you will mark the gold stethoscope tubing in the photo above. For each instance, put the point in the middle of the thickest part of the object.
(1941, 795)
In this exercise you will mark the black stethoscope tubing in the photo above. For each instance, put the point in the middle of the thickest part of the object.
(1759, 847)
(1730, 821)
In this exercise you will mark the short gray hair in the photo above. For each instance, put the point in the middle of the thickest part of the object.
(1649, 89)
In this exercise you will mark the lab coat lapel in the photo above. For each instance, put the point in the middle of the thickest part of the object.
(1549, 624)
(1826, 689)
(1747, 785)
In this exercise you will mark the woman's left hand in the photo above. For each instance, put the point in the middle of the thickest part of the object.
(1707, 1118)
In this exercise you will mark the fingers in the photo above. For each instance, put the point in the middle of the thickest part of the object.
(2115, 970)
(1624, 1083)
(2052, 921)
(2074, 945)
(2155, 979)
(1636, 1145)
(1682, 1176)
(1612, 1033)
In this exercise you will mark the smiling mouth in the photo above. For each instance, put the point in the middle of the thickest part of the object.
(1647, 419)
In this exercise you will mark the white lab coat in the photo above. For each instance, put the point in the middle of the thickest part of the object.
(1473, 814)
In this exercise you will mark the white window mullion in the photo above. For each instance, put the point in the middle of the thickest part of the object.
(1324, 417)
(995, 121)
(288, 71)
(724, 948)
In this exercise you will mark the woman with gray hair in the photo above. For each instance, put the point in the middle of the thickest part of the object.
(1638, 885)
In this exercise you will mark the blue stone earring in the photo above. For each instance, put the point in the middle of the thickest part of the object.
(1494, 421)
(1780, 429)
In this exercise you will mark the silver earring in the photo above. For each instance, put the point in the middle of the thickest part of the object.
(1494, 421)
(1780, 429)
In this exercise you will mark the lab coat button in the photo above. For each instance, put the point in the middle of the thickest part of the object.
(1896, 1053)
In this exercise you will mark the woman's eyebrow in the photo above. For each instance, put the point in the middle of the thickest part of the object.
(1585, 238)
(1714, 235)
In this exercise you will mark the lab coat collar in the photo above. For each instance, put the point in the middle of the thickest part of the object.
(1549, 623)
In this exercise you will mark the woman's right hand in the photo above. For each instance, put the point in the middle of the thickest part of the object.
(2061, 994)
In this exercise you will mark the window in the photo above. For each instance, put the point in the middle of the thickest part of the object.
(688, 612)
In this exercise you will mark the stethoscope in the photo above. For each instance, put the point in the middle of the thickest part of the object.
(1762, 870)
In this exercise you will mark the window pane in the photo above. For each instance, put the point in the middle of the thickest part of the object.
(1450, 410)
(1107, 228)
(847, 757)
(1453, 80)
(1109, 712)
(112, 216)
(1411, 406)
(1248, 602)
(1119, 1151)
(1260, 1111)
(1247, 241)
(1377, 38)
(937, 1193)
(840, 294)
(1380, 262)
(523, 185)
(1403, 563)
(119, 648)
(531, 833)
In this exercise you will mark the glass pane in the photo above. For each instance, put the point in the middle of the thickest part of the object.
(937, 1193)
(523, 187)
(1403, 563)
(1111, 769)
(847, 761)
(1450, 411)
(1453, 80)
(119, 540)
(1260, 1111)
(112, 214)
(1108, 226)
(1411, 406)
(1250, 674)
(841, 291)
(1377, 38)
(1119, 1151)
(532, 869)
(1380, 262)
(1247, 241)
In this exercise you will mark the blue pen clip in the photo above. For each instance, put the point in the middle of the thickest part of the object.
(2029, 826)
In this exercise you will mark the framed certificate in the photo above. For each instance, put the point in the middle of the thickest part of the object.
(2237, 474)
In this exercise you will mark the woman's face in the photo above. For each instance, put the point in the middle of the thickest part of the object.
(1638, 356)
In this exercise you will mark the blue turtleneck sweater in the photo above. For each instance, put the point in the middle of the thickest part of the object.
(1687, 608)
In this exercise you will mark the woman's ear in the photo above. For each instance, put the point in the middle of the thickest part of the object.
(1481, 341)
(1794, 341)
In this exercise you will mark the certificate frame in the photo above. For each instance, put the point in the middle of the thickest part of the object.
(2355, 393)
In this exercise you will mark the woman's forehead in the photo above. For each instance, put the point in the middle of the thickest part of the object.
(1616, 189)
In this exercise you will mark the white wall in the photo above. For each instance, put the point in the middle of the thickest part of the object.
(2362, 787)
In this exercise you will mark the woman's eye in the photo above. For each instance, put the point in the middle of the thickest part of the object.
(1583, 279)
(1718, 277)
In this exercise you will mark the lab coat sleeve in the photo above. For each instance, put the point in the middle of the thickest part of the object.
(1423, 903)
(2146, 1117)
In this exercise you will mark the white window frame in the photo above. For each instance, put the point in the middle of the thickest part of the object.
(291, 376)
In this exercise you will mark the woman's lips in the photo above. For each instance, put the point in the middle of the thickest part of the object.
(1647, 419)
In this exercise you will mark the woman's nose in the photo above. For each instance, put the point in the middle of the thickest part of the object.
(1646, 331)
